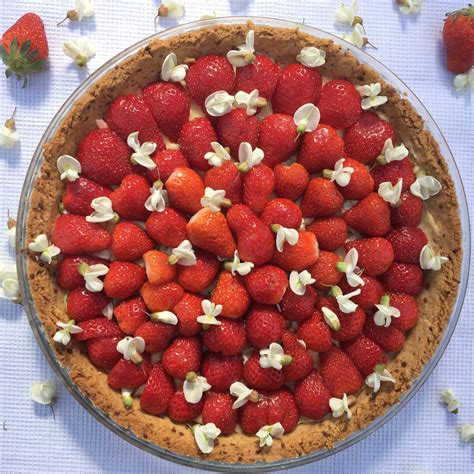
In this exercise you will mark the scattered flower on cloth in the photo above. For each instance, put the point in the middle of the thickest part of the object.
(452, 403)
(80, 49)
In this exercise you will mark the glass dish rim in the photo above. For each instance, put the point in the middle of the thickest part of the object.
(128, 435)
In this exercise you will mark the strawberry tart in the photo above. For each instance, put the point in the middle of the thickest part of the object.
(243, 244)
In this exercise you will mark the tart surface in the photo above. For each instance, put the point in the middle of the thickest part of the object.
(435, 301)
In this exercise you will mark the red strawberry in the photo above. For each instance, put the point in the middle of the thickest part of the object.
(282, 211)
(79, 194)
(209, 231)
(298, 307)
(403, 278)
(221, 371)
(255, 240)
(300, 256)
(321, 149)
(266, 284)
(390, 339)
(408, 212)
(158, 392)
(407, 243)
(312, 396)
(218, 410)
(130, 314)
(297, 85)
(161, 297)
(262, 75)
(321, 199)
(183, 355)
(226, 177)
(237, 127)
(195, 141)
(166, 162)
(98, 327)
(24, 47)
(259, 378)
(169, 104)
(408, 308)
(315, 333)
(104, 157)
(257, 186)
(361, 183)
(103, 352)
(278, 138)
(458, 34)
(370, 217)
(126, 374)
(210, 74)
(330, 232)
(339, 104)
(301, 359)
(375, 254)
(324, 270)
(392, 172)
(83, 304)
(290, 180)
(339, 374)
(123, 280)
(365, 140)
(181, 411)
(364, 353)
(75, 236)
(370, 292)
(185, 190)
(130, 242)
(230, 292)
(128, 200)
(157, 336)
(264, 325)
(200, 276)
(158, 269)
(68, 270)
(227, 338)
(168, 227)
(187, 310)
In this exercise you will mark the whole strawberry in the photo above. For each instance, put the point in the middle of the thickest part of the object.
(218, 409)
(301, 359)
(365, 354)
(315, 333)
(157, 336)
(266, 284)
(24, 47)
(158, 391)
(182, 411)
(262, 75)
(290, 180)
(198, 277)
(257, 187)
(79, 194)
(126, 374)
(324, 270)
(312, 396)
(123, 279)
(264, 325)
(228, 338)
(103, 351)
(221, 371)
(375, 254)
(83, 304)
(187, 312)
(183, 355)
(298, 307)
(259, 378)
(403, 278)
(167, 227)
(407, 243)
(300, 256)
(230, 292)
(330, 232)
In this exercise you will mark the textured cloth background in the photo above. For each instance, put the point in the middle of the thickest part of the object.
(422, 438)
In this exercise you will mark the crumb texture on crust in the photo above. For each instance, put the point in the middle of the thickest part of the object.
(435, 302)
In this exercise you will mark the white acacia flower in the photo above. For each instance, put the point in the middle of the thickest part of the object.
(11, 231)
(379, 375)
(172, 9)
(9, 135)
(347, 13)
(103, 211)
(81, 50)
(236, 266)
(63, 336)
(409, 6)
(131, 348)
(211, 311)
(425, 186)
(372, 97)
(268, 432)
(183, 254)
(250, 102)
(194, 387)
(466, 80)
(331, 319)
(284, 234)
(341, 175)
(306, 118)
(274, 357)
(311, 56)
(298, 281)
(219, 103)
(391, 153)
(127, 397)
(243, 394)
(208, 16)
(158, 198)
(41, 245)
(452, 403)
(346, 305)
(108, 310)
(384, 314)
(214, 199)
(390, 193)
(84, 9)
(205, 436)
(91, 274)
(166, 317)
(350, 268)
(431, 260)
(43, 392)
(245, 53)
(467, 432)
(142, 152)
(249, 158)
(9, 288)
(339, 406)
(218, 156)
(69, 167)
(172, 71)
(357, 37)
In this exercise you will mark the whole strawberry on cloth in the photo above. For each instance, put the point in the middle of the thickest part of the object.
(24, 47)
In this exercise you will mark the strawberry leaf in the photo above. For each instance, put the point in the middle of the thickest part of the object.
(8, 73)
(13, 47)
(25, 47)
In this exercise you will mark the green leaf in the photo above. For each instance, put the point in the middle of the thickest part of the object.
(32, 55)
(4, 53)
(37, 66)
(13, 47)
(8, 73)
(25, 47)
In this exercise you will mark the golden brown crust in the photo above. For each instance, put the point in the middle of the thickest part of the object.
(436, 301)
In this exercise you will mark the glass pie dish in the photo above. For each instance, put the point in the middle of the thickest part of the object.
(64, 374)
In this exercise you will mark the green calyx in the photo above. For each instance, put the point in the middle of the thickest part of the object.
(21, 60)
(466, 11)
